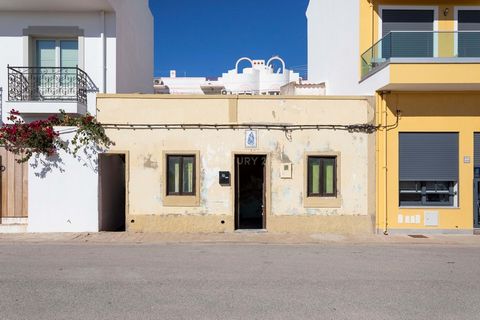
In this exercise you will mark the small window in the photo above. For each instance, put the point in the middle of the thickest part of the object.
(181, 175)
(428, 193)
(322, 177)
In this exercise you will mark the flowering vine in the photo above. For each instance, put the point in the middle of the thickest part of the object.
(39, 137)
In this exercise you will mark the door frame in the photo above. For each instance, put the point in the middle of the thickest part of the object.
(267, 185)
(126, 154)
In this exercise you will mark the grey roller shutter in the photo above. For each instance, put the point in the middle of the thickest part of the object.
(476, 152)
(469, 42)
(407, 44)
(428, 156)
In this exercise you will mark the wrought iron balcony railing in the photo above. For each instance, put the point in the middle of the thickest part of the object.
(47, 84)
(421, 44)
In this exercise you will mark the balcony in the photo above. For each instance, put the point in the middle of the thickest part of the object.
(435, 60)
(35, 90)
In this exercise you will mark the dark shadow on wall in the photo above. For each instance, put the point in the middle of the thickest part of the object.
(87, 157)
(439, 104)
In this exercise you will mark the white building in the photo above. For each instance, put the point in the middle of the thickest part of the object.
(334, 47)
(57, 54)
(260, 78)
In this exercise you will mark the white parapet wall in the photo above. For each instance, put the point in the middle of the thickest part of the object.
(63, 191)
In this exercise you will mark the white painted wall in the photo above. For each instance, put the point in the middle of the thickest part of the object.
(67, 201)
(261, 77)
(128, 46)
(334, 46)
(63, 199)
(135, 46)
(11, 37)
(184, 85)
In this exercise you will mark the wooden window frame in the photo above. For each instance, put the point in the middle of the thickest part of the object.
(321, 177)
(194, 182)
(329, 200)
(182, 200)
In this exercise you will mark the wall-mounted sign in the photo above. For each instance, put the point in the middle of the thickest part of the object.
(466, 159)
(251, 139)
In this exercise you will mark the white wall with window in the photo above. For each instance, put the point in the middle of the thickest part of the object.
(40, 39)
(111, 41)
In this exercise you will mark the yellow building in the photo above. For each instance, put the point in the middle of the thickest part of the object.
(421, 61)
(222, 163)
(422, 58)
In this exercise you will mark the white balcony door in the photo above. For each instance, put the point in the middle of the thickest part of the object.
(56, 62)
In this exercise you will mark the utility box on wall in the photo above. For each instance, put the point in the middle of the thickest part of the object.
(286, 171)
(431, 218)
(224, 178)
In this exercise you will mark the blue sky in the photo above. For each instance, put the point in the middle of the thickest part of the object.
(206, 37)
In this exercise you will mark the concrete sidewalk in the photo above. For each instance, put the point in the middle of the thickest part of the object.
(238, 237)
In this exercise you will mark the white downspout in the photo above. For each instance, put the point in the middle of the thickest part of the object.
(104, 53)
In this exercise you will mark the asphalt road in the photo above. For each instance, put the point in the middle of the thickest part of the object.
(238, 281)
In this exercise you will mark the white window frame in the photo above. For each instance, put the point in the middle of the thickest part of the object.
(57, 49)
(455, 23)
(405, 7)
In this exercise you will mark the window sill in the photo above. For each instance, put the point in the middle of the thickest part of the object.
(181, 201)
(322, 202)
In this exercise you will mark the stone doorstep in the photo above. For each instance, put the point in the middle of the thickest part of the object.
(13, 225)
(8, 221)
(13, 228)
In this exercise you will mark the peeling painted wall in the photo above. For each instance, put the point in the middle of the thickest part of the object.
(146, 149)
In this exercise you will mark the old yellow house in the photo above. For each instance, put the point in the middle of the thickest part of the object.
(225, 163)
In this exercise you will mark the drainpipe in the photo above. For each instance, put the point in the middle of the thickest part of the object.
(378, 115)
(104, 53)
(385, 166)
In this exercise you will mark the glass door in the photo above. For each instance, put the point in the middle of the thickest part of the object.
(468, 33)
(408, 33)
(55, 74)
(43, 76)
(68, 65)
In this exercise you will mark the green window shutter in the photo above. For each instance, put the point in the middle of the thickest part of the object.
(329, 176)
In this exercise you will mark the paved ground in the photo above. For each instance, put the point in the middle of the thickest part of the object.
(117, 276)
(237, 237)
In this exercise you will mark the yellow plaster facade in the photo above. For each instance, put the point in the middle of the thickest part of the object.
(425, 112)
(423, 72)
(429, 96)
(286, 210)
(370, 17)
